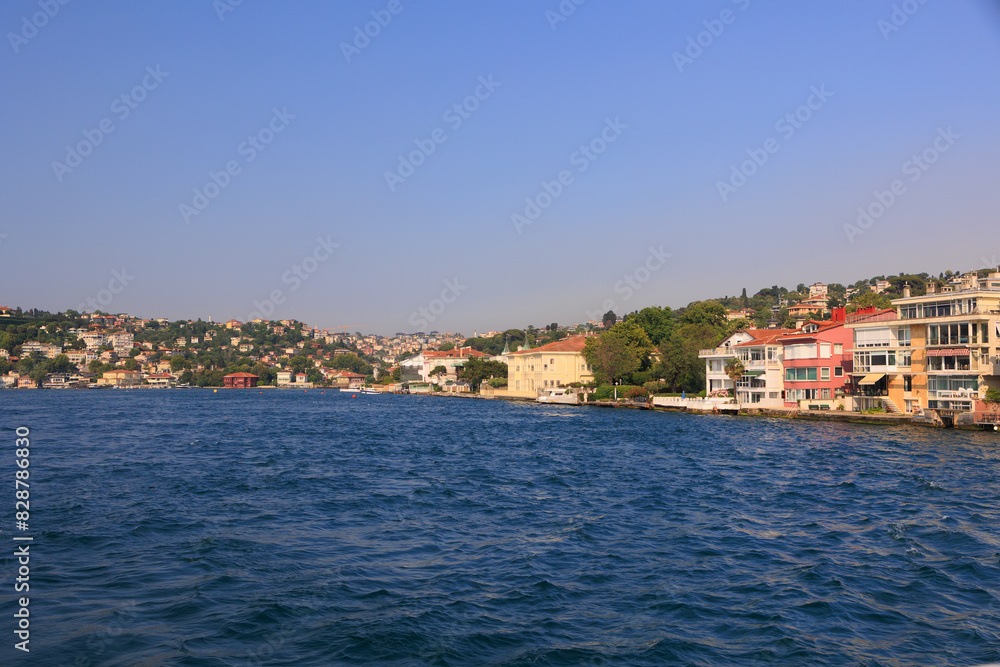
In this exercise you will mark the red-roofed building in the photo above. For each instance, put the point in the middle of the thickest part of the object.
(343, 379)
(760, 350)
(557, 364)
(452, 360)
(818, 362)
(240, 380)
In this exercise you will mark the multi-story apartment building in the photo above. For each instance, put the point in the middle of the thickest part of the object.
(938, 351)
(883, 373)
(817, 363)
(94, 339)
(47, 349)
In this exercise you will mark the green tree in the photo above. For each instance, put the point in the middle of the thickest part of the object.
(618, 352)
(61, 364)
(735, 369)
(439, 370)
(867, 299)
(609, 319)
(658, 323)
(476, 369)
(299, 363)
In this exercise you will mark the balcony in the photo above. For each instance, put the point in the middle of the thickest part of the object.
(868, 392)
(717, 351)
(865, 317)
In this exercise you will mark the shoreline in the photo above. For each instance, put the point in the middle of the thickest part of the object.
(773, 413)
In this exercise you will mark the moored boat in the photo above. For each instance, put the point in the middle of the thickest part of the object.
(559, 395)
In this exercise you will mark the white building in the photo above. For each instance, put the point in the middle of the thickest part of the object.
(760, 351)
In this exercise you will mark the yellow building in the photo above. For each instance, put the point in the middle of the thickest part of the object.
(530, 372)
(937, 351)
(120, 378)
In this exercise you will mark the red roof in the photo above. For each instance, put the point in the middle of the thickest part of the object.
(456, 353)
(802, 335)
(240, 375)
(571, 344)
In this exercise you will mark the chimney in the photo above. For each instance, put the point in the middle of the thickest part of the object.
(906, 290)
(931, 287)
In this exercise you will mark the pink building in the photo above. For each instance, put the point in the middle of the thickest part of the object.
(817, 362)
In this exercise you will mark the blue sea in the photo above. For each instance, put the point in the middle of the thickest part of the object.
(192, 527)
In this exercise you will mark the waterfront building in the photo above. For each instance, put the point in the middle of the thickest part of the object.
(419, 368)
(555, 364)
(343, 379)
(938, 351)
(760, 351)
(240, 380)
(120, 378)
(817, 364)
(161, 379)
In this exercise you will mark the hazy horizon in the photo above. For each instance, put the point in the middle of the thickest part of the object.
(496, 166)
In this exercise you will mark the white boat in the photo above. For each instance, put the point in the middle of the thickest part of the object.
(559, 395)
(366, 390)
(355, 390)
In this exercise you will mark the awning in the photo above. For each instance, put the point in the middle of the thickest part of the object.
(753, 374)
(948, 352)
(871, 378)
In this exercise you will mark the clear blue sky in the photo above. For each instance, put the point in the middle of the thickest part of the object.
(672, 132)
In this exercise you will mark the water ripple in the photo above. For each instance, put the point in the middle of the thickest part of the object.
(287, 528)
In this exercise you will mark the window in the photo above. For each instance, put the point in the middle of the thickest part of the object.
(838, 348)
(903, 336)
(824, 374)
(800, 374)
(824, 394)
(838, 372)
(907, 383)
